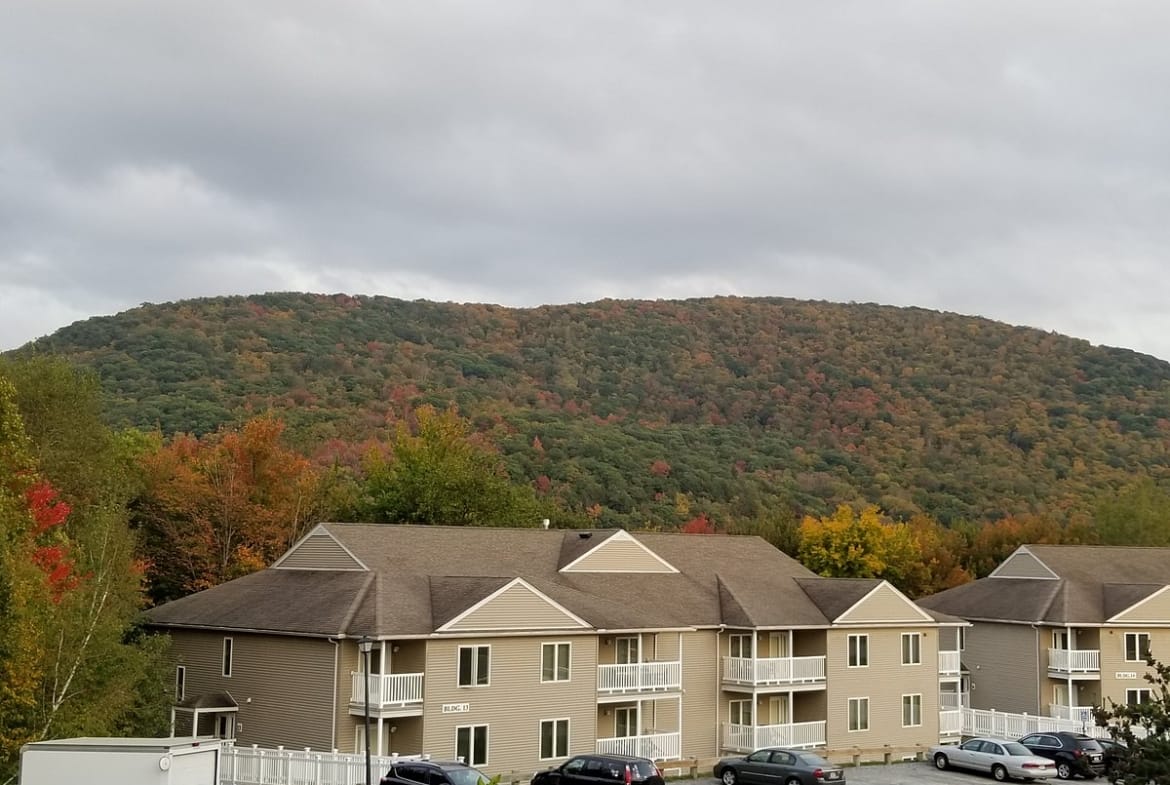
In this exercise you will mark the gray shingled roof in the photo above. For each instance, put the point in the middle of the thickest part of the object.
(1095, 583)
(423, 576)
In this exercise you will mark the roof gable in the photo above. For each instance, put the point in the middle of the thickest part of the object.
(1024, 564)
(1153, 608)
(515, 606)
(884, 605)
(620, 552)
(319, 550)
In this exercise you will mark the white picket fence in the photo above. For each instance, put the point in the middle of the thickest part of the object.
(1005, 725)
(258, 766)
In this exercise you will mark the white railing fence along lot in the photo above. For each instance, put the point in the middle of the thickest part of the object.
(257, 766)
(1074, 660)
(656, 746)
(389, 689)
(774, 670)
(636, 676)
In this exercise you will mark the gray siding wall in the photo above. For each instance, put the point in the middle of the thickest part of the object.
(283, 685)
(320, 552)
(948, 639)
(1023, 565)
(701, 701)
(1005, 661)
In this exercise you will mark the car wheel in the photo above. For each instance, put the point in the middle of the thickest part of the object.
(793, 781)
(940, 761)
(1000, 773)
(728, 777)
(1063, 770)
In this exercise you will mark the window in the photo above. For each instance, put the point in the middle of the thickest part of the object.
(180, 682)
(625, 722)
(554, 662)
(911, 648)
(554, 739)
(741, 646)
(627, 650)
(962, 638)
(739, 712)
(858, 651)
(1138, 695)
(227, 656)
(859, 714)
(1137, 646)
(911, 711)
(473, 665)
(471, 743)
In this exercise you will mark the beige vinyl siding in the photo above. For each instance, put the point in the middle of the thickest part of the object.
(884, 604)
(1113, 660)
(619, 554)
(884, 682)
(701, 700)
(283, 685)
(1153, 610)
(1023, 565)
(809, 643)
(514, 702)
(1006, 663)
(516, 608)
(319, 552)
(411, 657)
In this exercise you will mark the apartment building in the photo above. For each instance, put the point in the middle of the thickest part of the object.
(516, 648)
(1059, 629)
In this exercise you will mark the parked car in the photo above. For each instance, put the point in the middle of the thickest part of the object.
(778, 766)
(1115, 752)
(1001, 758)
(1074, 753)
(601, 769)
(433, 772)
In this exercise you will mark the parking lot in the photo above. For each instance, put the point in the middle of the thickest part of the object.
(919, 773)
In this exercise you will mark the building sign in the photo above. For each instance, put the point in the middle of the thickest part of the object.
(456, 708)
(1125, 675)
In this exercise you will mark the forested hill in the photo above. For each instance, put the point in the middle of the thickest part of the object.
(658, 410)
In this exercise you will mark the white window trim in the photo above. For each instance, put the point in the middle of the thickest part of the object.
(912, 696)
(1139, 690)
(740, 702)
(568, 737)
(227, 658)
(474, 666)
(858, 636)
(556, 662)
(740, 637)
(849, 714)
(1137, 645)
(915, 648)
(487, 747)
(180, 682)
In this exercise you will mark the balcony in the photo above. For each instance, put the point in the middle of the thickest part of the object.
(1074, 661)
(393, 693)
(639, 677)
(656, 746)
(954, 700)
(950, 722)
(1074, 713)
(767, 671)
(744, 738)
(949, 663)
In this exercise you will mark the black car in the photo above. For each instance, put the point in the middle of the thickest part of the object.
(1115, 753)
(600, 769)
(778, 766)
(433, 772)
(1074, 753)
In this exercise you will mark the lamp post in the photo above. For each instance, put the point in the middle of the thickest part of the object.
(365, 646)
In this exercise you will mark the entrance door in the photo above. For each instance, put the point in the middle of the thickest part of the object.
(225, 726)
(627, 651)
(625, 721)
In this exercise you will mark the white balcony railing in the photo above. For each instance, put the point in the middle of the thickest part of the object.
(954, 700)
(639, 677)
(656, 746)
(1077, 713)
(774, 670)
(948, 662)
(794, 734)
(1074, 660)
(388, 689)
(950, 722)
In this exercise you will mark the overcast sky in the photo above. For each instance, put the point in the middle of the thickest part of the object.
(1001, 159)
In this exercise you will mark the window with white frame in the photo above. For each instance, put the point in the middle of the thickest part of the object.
(625, 721)
(858, 714)
(1136, 695)
(911, 711)
(474, 665)
(554, 739)
(227, 657)
(859, 651)
(1137, 646)
(471, 744)
(554, 662)
(180, 682)
(1060, 639)
(627, 650)
(911, 648)
(739, 712)
(741, 646)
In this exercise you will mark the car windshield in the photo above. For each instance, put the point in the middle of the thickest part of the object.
(814, 760)
(642, 769)
(1015, 748)
(465, 775)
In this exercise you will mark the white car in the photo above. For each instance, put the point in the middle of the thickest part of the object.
(1003, 759)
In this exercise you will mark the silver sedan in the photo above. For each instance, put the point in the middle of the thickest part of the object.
(1002, 758)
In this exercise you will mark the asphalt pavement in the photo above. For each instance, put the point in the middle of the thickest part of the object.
(916, 773)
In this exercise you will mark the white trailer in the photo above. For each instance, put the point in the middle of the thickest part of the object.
(110, 761)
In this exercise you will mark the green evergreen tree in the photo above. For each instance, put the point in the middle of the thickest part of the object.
(1144, 728)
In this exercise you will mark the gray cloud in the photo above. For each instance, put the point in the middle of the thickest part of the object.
(1001, 159)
